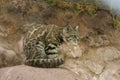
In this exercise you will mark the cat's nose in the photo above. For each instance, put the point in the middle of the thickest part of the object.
(74, 42)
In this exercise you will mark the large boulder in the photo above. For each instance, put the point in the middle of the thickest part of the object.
(31, 73)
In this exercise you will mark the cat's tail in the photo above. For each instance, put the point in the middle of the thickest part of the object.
(45, 63)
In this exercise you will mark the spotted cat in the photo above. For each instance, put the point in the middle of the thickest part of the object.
(41, 44)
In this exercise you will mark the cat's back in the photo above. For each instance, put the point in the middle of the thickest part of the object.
(41, 31)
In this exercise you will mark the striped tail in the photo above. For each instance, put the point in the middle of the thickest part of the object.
(45, 63)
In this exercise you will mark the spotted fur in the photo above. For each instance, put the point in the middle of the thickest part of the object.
(41, 44)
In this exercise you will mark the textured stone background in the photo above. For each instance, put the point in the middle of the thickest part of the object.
(96, 58)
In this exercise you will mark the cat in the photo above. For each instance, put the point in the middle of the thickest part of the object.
(41, 44)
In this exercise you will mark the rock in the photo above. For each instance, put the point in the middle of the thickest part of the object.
(112, 72)
(78, 68)
(96, 40)
(31, 73)
(70, 50)
(108, 53)
(94, 66)
(8, 57)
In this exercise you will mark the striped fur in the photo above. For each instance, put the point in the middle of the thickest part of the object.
(45, 63)
(41, 44)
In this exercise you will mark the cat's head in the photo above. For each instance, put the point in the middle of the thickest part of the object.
(70, 34)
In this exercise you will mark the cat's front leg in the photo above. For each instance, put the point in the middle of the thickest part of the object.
(52, 50)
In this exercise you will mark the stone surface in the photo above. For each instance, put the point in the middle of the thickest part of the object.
(94, 66)
(14, 15)
(8, 57)
(71, 50)
(112, 72)
(30, 73)
(108, 53)
(93, 40)
(77, 67)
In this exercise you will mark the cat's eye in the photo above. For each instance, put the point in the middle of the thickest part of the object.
(69, 39)
(68, 29)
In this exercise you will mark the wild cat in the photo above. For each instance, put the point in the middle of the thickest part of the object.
(41, 44)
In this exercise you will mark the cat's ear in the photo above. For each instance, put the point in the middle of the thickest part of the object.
(67, 29)
(76, 28)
